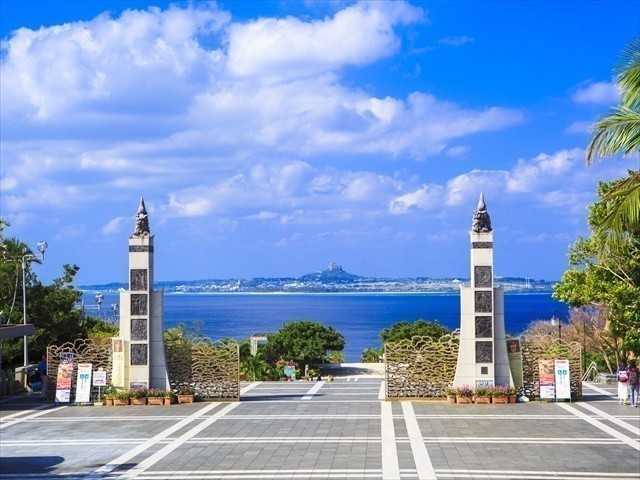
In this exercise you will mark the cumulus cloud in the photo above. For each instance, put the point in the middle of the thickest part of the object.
(599, 93)
(427, 197)
(292, 48)
(114, 226)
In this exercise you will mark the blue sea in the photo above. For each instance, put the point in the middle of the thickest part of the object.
(358, 317)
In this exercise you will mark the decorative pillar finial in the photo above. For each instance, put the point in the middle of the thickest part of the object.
(481, 221)
(142, 220)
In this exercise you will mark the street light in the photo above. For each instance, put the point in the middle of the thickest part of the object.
(556, 322)
(29, 257)
(99, 299)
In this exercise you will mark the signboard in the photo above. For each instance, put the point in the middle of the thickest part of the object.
(514, 352)
(83, 385)
(66, 357)
(100, 378)
(563, 381)
(547, 379)
(484, 383)
(63, 383)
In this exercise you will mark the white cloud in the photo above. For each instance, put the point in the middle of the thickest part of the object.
(427, 197)
(530, 175)
(456, 40)
(291, 48)
(599, 93)
(466, 188)
(114, 226)
(579, 126)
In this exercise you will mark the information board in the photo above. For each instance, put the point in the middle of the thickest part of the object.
(563, 380)
(547, 379)
(83, 385)
(63, 383)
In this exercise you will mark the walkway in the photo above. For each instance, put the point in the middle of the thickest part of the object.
(322, 430)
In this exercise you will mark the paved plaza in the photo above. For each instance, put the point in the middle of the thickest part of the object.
(322, 430)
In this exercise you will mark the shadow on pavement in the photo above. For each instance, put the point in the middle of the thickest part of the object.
(29, 465)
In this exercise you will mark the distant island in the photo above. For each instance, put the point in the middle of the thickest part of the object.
(332, 280)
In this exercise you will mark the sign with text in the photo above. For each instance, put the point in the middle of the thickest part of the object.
(83, 385)
(546, 372)
(563, 381)
(100, 378)
(63, 383)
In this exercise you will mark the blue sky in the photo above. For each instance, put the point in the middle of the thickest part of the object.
(272, 138)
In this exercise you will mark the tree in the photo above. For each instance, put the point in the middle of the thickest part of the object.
(304, 341)
(406, 330)
(618, 132)
(610, 281)
(371, 355)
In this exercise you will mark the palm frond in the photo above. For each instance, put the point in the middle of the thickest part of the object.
(622, 221)
(617, 132)
(628, 76)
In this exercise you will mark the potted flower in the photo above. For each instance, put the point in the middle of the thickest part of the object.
(186, 394)
(464, 394)
(513, 394)
(450, 392)
(155, 396)
(482, 395)
(121, 398)
(139, 396)
(500, 394)
(108, 397)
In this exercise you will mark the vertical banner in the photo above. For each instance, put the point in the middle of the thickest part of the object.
(515, 361)
(547, 379)
(83, 386)
(117, 371)
(63, 383)
(563, 381)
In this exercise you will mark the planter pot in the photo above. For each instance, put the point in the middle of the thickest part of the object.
(109, 402)
(185, 398)
(155, 401)
(502, 399)
(139, 401)
(463, 399)
(451, 398)
(167, 400)
(482, 399)
(513, 399)
(121, 401)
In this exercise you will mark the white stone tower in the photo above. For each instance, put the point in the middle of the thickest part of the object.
(139, 354)
(482, 358)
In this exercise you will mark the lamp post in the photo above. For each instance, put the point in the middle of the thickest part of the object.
(99, 299)
(556, 322)
(29, 257)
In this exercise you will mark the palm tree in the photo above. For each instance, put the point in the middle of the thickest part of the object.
(618, 132)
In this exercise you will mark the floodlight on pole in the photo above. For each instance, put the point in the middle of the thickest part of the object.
(28, 258)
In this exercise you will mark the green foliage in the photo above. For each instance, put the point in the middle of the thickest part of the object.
(406, 330)
(304, 341)
(607, 275)
(255, 367)
(616, 133)
(371, 355)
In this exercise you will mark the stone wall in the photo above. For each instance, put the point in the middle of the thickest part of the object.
(550, 347)
(420, 367)
(84, 351)
(213, 368)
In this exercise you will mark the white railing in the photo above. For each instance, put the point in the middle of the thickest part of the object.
(591, 372)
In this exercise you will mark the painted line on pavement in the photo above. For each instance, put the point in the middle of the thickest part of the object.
(167, 449)
(381, 392)
(313, 390)
(424, 466)
(600, 390)
(125, 457)
(610, 418)
(390, 465)
(44, 411)
(605, 428)
(251, 386)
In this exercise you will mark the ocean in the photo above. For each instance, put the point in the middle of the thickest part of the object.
(358, 317)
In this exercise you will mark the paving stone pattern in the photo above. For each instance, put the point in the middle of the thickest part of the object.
(322, 430)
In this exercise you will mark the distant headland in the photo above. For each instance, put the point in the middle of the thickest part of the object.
(332, 280)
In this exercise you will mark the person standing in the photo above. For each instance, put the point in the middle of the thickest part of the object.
(633, 379)
(623, 388)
